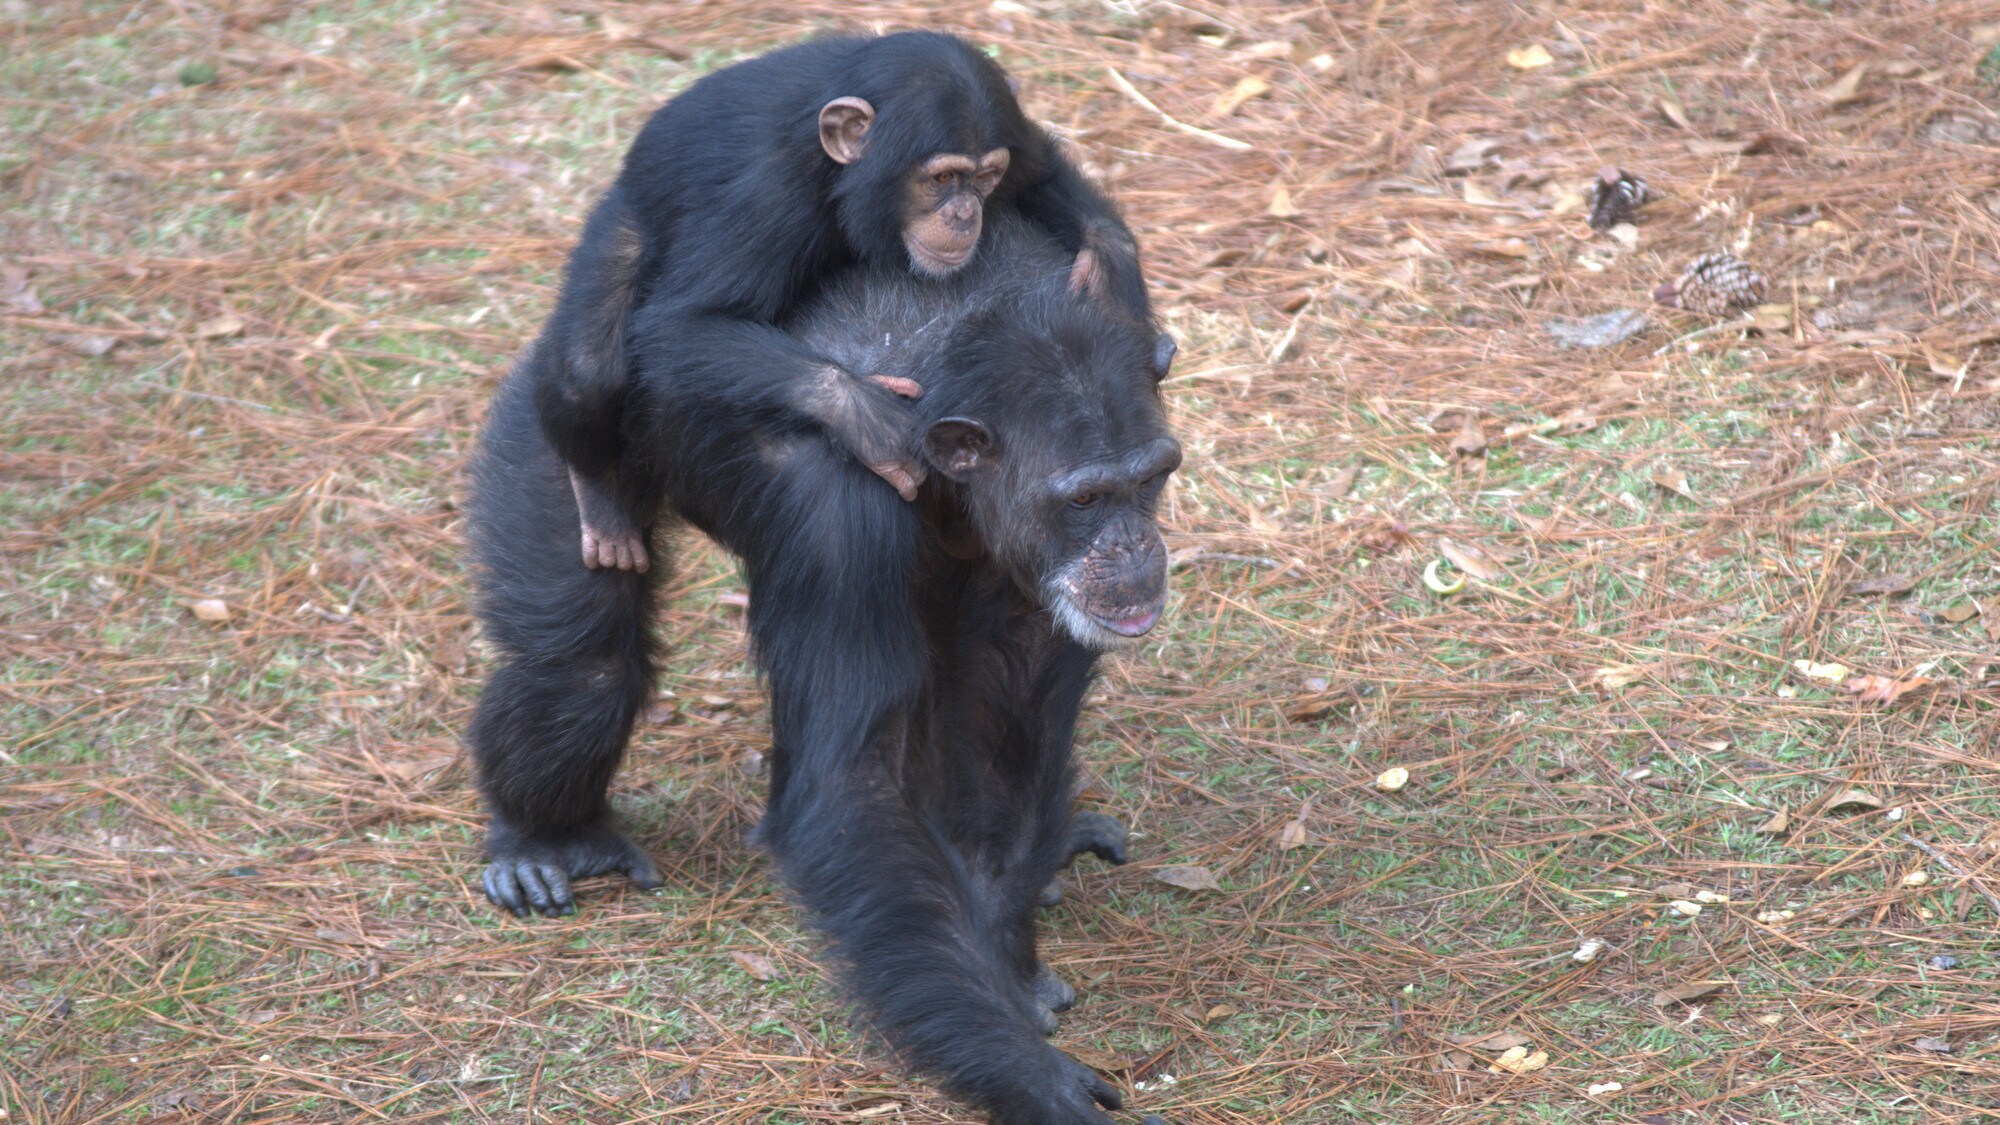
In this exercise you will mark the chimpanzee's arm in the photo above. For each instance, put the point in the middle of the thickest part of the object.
(1080, 217)
(709, 371)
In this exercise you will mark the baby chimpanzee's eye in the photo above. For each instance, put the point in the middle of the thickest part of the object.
(943, 178)
(1083, 500)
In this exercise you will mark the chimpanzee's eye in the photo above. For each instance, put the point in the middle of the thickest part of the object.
(1083, 500)
(943, 178)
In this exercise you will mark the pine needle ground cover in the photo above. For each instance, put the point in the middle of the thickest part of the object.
(1574, 708)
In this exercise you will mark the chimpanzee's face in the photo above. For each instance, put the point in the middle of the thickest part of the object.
(1081, 533)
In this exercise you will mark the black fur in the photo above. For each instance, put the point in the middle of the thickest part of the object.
(730, 212)
(923, 693)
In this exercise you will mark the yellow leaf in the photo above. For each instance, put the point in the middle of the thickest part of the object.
(1621, 675)
(1247, 87)
(218, 326)
(1831, 673)
(1517, 1060)
(1530, 57)
(1392, 779)
(211, 609)
(1846, 88)
(1281, 206)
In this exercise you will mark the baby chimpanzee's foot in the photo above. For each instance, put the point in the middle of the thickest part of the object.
(533, 873)
(611, 540)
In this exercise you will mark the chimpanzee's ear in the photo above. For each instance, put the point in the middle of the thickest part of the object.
(1163, 356)
(843, 125)
(1086, 275)
(959, 447)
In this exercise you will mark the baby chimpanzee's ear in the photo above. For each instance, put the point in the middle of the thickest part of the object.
(843, 128)
(959, 447)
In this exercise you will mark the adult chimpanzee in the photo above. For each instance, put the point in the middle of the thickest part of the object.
(926, 661)
(760, 180)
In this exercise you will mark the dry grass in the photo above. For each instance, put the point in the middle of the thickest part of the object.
(237, 853)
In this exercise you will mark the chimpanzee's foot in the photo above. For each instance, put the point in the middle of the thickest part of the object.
(1048, 995)
(1097, 834)
(529, 874)
(611, 539)
(1049, 988)
(1090, 832)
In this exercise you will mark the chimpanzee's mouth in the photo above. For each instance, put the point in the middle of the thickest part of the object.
(1135, 626)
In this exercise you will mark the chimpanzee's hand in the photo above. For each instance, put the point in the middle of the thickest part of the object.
(872, 418)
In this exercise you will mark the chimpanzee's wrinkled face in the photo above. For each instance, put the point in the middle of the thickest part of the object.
(1081, 533)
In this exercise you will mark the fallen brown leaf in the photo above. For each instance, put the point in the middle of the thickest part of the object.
(1469, 441)
(1961, 613)
(1674, 481)
(1687, 993)
(1853, 799)
(1190, 877)
(1778, 825)
(757, 965)
(1471, 560)
(1292, 835)
(1872, 688)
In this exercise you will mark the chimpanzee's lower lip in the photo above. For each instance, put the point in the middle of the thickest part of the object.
(1131, 626)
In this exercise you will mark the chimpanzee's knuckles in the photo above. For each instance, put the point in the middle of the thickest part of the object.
(1104, 1093)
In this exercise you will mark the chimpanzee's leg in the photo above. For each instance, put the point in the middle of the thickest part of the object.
(584, 381)
(1033, 760)
(575, 667)
(830, 552)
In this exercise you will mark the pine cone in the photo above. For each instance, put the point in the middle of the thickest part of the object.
(1714, 284)
(1615, 197)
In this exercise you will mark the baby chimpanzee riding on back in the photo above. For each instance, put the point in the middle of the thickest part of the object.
(754, 185)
